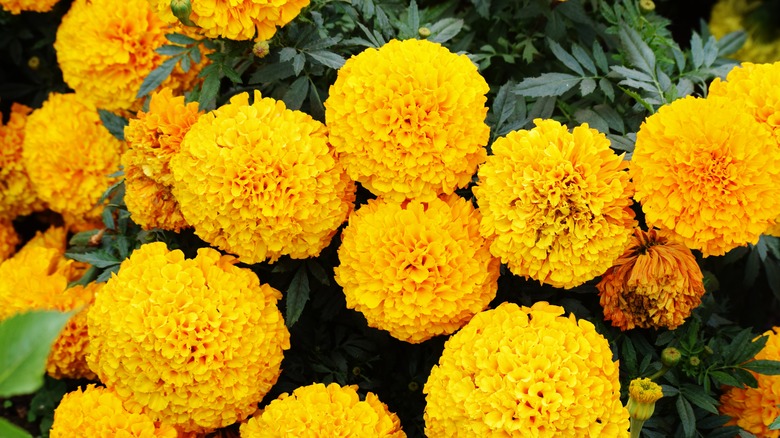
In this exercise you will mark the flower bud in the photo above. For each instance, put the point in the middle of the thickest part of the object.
(647, 5)
(694, 361)
(424, 32)
(34, 62)
(670, 357)
(642, 395)
(182, 10)
(261, 49)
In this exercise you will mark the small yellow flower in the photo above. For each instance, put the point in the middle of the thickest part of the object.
(643, 393)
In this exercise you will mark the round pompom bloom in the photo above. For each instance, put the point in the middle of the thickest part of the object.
(68, 355)
(8, 239)
(706, 171)
(106, 49)
(324, 411)
(557, 204)
(754, 409)
(16, 7)
(68, 153)
(195, 343)
(98, 412)
(237, 19)
(516, 371)
(655, 283)
(729, 16)
(408, 119)
(417, 269)
(18, 197)
(261, 181)
(154, 137)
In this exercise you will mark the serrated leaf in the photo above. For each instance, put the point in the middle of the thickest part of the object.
(582, 57)
(599, 57)
(298, 63)
(296, 94)
(622, 142)
(775, 424)
(25, 341)
(766, 367)
(232, 74)
(606, 87)
(297, 296)
(725, 379)
(107, 274)
(99, 259)
(9, 430)
(208, 91)
(569, 61)
(316, 105)
(710, 51)
(542, 108)
(413, 16)
(114, 123)
(687, 417)
(639, 53)
(629, 356)
(445, 29)
(613, 119)
(287, 54)
(587, 115)
(697, 51)
(328, 59)
(178, 38)
(587, 86)
(321, 44)
(170, 50)
(697, 396)
(731, 42)
(272, 72)
(156, 77)
(548, 84)
(318, 271)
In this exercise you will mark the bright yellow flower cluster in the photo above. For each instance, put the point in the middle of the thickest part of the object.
(18, 6)
(261, 181)
(68, 154)
(556, 203)
(655, 283)
(106, 48)
(195, 343)
(729, 16)
(98, 412)
(755, 85)
(408, 119)
(18, 197)
(516, 371)
(153, 137)
(706, 171)
(324, 411)
(754, 409)
(8, 239)
(237, 19)
(417, 269)
(67, 358)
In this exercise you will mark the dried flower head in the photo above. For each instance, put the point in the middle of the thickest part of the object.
(706, 171)
(195, 343)
(324, 411)
(556, 203)
(408, 119)
(417, 269)
(261, 181)
(18, 197)
(516, 371)
(655, 283)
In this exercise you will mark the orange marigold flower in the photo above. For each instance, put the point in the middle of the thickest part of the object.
(261, 181)
(151, 204)
(8, 239)
(68, 355)
(324, 411)
(516, 371)
(729, 16)
(238, 19)
(195, 343)
(18, 197)
(98, 412)
(18, 6)
(408, 119)
(106, 49)
(556, 203)
(655, 283)
(754, 409)
(417, 269)
(68, 154)
(706, 171)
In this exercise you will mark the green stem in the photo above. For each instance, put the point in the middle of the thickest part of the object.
(636, 427)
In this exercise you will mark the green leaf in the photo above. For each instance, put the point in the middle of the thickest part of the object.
(171, 50)
(697, 51)
(99, 259)
(298, 62)
(156, 77)
(565, 57)
(600, 57)
(9, 430)
(726, 379)
(295, 95)
(297, 296)
(327, 58)
(178, 38)
(114, 123)
(731, 42)
(25, 341)
(766, 367)
(446, 29)
(775, 424)
(413, 16)
(639, 53)
(696, 395)
(209, 90)
(583, 59)
(687, 418)
(272, 72)
(318, 271)
(548, 84)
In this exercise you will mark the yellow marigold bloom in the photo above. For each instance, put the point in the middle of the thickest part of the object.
(106, 49)
(655, 283)
(68, 355)
(754, 409)
(643, 393)
(154, 137)
(8, 239)
(98, 412)
(729, 16)
(519, 371)
(195, 343)
(324, 411)
(18, 197)
(68, 154)
(18, 6)
(556, 203)
(408, 119)
(238, 19)
(417, 269)
(261, 181)
(706, 171)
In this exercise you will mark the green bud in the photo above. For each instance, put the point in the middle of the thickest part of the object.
(424, 32)
(694, 361)
(670, 357)
(182, 9)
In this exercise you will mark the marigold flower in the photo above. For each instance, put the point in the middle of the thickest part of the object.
(98, 412)
(706, 171)
(68, 154)
(261, 181)
(68, 355)
(655, 283)
(106, 49)
(754, 409)
(318, 411)
(408, 119)
(16, 7)
(417, 269)
(236, 20)
(195, 343)
(18, 197)
(729, 16)
(516, 371)
(643, 393)
(556, 203)
(8, 239)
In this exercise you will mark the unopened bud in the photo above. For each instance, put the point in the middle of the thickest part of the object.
(261, 49)
(670, 357)
(694, 361)
(647, 5)
(424, 32)
(34, 62)
(413, 386)
(182, 10)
